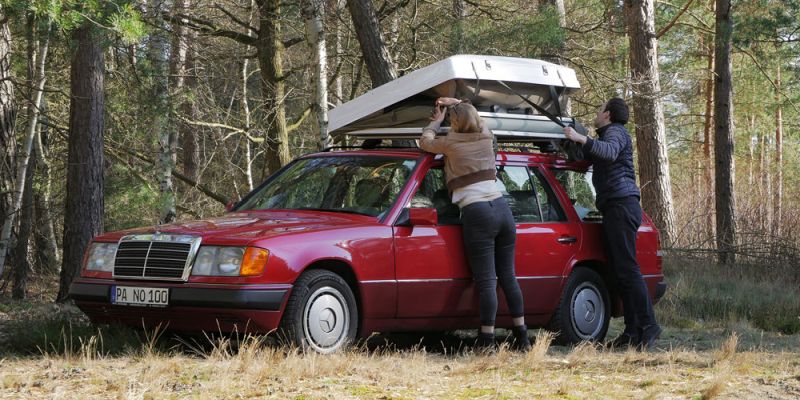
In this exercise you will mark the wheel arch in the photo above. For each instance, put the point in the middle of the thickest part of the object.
(607, 274)
(346, 272)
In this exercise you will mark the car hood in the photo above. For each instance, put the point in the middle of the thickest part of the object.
(245, 227)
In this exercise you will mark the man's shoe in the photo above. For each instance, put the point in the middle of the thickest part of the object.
(623, 340)
(521, 341)
(649, 337)
(485, 343)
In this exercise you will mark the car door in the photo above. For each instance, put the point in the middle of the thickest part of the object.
(433, 279)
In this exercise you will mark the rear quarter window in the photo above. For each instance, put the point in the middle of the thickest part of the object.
(579, 188)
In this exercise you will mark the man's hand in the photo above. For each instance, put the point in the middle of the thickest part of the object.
(574, 136)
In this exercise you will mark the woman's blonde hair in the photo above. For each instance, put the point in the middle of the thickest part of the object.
(464, 118)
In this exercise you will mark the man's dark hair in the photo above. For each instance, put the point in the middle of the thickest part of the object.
(617, 110)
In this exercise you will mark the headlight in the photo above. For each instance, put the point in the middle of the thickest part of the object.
(101, 257)
(229, 261)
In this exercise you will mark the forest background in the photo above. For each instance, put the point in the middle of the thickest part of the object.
(116, 114)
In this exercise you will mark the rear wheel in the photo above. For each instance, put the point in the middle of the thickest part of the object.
(583, 313)
(321, 314)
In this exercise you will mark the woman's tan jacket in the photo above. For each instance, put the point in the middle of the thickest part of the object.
(469, 157)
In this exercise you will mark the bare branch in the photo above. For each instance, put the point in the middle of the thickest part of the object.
(189, 181)
(674, 20)
(209, 28)
(766, 76)
(299, 121)
(233, 130)
(293, 41)
(235, 19)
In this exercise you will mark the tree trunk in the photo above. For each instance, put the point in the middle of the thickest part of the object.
(649, 117)
(561, 50)
(376, 56)
(7, 122)
(751, 151)
(778, 200)
(37, 68)
(338, 57)
(25, 208)
(181, 83)
(273, 85)
(708, 128)
(248, 152)
(22, 265)
(83, 214)
(189, 134)
(313, 13)
(457, 29)
(48, 257)
(724, 144)
(766, 186)
(247, 126)
(158, 48)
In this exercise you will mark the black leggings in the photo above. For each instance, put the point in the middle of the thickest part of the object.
(489, 235)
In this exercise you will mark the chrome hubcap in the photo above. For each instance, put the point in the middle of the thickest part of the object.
(588, 311)
(326, 320)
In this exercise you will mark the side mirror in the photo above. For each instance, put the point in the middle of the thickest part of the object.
(423, 216)
(230, 205)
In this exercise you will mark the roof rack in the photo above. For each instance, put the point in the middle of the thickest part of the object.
(362, 147)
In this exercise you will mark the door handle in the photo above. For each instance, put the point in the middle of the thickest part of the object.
(567, 239)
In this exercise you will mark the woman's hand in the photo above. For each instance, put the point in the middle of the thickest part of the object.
(447, 101)
(438, 114)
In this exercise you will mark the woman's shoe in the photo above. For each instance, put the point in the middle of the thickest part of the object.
(485, 343)
(521, 341)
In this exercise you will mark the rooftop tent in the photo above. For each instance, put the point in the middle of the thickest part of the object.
(401, 108)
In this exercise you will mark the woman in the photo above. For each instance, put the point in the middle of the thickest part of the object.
(487, 224)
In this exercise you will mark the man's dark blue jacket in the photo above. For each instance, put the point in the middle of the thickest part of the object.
(612, 158)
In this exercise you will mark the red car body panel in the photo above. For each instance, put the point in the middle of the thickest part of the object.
(404, 277)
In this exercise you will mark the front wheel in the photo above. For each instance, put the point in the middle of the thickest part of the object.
(321, 314)
(583, 313)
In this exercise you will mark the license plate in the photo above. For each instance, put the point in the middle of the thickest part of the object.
(140, 296)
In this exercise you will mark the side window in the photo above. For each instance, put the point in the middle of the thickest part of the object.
(581, 193)
(551, 210)
(433, 193)
(515, 185)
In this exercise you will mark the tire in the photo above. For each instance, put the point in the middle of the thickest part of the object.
(321, 314)
(584, 312)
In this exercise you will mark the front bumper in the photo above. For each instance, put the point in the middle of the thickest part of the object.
(226, 308)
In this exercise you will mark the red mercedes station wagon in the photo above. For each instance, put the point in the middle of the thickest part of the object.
(340, 244)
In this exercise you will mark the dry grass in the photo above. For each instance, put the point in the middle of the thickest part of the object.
(49, 351)
(251, 369)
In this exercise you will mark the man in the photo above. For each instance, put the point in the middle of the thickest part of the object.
(618, 200)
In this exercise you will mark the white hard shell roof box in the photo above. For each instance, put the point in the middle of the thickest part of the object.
(401, 108)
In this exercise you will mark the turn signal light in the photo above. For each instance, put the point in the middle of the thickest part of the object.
(254, 261)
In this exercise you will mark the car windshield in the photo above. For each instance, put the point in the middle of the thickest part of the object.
(365, 185)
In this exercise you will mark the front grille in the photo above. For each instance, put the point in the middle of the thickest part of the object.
(144, 258)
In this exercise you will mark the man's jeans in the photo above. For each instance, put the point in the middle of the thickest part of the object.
(621, 220)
